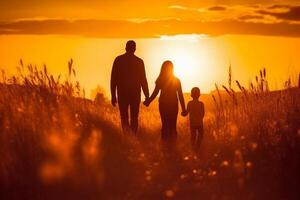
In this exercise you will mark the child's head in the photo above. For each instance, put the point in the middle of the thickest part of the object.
(195, 93)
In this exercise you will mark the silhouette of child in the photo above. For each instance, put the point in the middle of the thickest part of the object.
(195, 109)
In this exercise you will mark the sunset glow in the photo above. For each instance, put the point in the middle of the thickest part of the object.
(149, 99)
(188, 56)
(202, 62)
(201, 38)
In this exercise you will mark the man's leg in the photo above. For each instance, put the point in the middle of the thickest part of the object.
(123, 107)
(134, 115)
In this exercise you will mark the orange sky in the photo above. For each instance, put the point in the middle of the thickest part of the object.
(134, 18)
(199, 60)
(124, 9)
(202, 37)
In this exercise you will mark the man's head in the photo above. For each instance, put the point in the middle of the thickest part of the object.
(195, 93)
(130, 46)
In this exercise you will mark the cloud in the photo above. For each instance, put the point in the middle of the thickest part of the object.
(147, 29)
(251, 17)
(184, 8)
(217, 8)
(293, 13)
(179, 7)
(279, 6)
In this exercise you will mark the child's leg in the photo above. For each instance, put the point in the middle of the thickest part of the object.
(193, 136)
(199, 136)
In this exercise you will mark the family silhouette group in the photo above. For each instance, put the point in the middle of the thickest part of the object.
(128, 78)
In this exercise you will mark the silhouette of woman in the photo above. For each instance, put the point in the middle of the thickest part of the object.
(170, 90)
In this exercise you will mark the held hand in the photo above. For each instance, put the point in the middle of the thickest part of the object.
(114, 101)
(146, 102)
(184, 113)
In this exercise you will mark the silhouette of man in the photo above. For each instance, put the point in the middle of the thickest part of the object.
(128, 76)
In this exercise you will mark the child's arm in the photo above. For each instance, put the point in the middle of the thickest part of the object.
(188, 107)
(203, 110)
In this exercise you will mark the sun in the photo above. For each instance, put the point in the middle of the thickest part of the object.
(187, 65)
(192, 62)
(184, 64)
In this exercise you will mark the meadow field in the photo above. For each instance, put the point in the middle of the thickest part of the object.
(56, 144)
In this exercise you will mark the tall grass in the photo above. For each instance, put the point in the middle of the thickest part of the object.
(55, 144)
(262, 127)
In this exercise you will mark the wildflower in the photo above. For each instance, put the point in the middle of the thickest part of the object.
(233, 129)
(249, 164)
(186, 158)
(225, 163)
(212, 173)
(147, 172)
(142, 155)
(169, 193)
(148, 178)
(54, 119)
(183, 176)
(253, 146)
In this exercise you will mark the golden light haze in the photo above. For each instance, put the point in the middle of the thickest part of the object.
(199, 60)
(201, 37)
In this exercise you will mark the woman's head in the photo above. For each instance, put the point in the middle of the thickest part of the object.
(167, 69)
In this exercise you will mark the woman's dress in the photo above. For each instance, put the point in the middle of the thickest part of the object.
(168, 107)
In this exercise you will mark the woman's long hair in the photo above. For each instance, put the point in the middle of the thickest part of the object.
(166, 73)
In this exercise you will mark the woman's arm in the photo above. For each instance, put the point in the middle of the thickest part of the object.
(181, 98)
(153, 95)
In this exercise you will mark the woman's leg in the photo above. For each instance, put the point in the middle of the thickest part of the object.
(173, 121)
(168, 113)
(163, 117)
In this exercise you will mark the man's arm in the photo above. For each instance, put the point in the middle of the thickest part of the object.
(144, 82)
(153, 96)
(113, 83)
